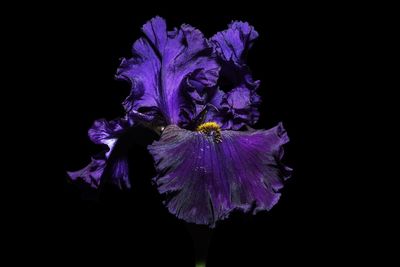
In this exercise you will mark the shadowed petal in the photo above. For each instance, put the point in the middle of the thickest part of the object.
(239, 105)
(102, 130)
(91, 174)
(237, 108)
(111, 161)
(204, 180)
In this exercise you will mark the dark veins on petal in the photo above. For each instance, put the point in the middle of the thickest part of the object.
(204, 181)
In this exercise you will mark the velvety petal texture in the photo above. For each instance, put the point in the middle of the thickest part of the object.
(111, 161)
(204, 181)
(167, 68)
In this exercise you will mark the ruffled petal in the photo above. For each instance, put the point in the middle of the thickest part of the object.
(102, 130)
(239, 106)
(91, 174)
(232, 44)
(204, 181)
(112, 161)
(163, 65)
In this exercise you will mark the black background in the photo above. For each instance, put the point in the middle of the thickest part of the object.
(299, 58)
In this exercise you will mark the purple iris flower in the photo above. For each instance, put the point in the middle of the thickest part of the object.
(199, 95)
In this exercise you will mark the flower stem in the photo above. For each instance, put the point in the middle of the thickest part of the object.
(201, 240)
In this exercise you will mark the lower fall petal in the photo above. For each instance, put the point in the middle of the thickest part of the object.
(204, 180)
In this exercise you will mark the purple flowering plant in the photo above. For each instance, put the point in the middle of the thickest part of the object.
(209, 160)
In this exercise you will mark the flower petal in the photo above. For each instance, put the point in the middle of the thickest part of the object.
(233, 43)
(102, 130)
(163, 63)
(91, 174)
(112, 161)
(204, 181)
(239, 106)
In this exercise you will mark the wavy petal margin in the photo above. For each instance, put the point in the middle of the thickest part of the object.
(165, 66)
(204, 181)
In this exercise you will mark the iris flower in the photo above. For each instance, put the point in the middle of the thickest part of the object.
(199, 95)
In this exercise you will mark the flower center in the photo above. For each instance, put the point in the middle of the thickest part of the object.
(211, 129)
